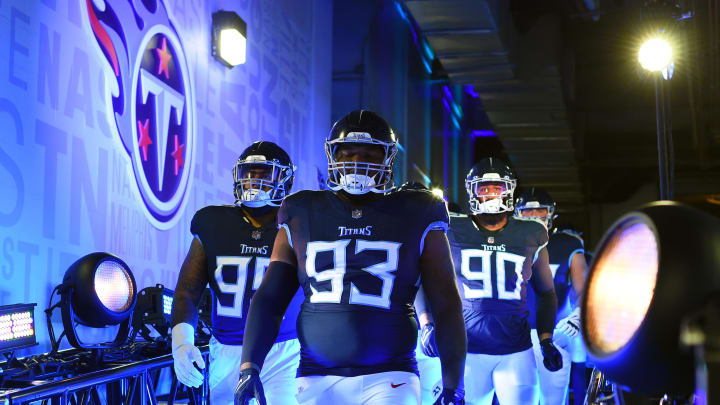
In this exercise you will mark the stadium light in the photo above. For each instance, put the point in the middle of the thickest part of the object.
(17, 327)
(153, 309)
(646, 279)
(229, 38)
(655, 54)
(98, 290)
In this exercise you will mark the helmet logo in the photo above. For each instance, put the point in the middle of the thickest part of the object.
(359, 136)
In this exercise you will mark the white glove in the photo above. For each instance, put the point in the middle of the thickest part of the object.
(570, 325)
(185, 353)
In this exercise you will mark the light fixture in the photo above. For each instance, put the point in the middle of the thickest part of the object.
(17, 327)
(438, 192)
(98, 290)
(153, 309)
(647, 277)
(229, 38)
(655, 54)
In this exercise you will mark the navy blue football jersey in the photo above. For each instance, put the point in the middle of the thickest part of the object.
(561, 248)
(237, 256)
(493, 269)
(359, 269)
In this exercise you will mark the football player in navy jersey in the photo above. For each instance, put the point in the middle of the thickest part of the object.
(231, 250)
(496, 256)
(359, 252)
(567, 262)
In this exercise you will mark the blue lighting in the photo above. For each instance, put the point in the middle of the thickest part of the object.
(428, 68)
(487, 133)
(428, 51)
(455, 122)
(401, 11)
(470, 90)
(457, 110)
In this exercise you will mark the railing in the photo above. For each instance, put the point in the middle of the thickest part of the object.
(127, 383)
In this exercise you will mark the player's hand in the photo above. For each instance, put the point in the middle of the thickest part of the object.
(570, 325)
(427, 340)
(451, 396)
(187, 359)
(552, 359)
(248, 387)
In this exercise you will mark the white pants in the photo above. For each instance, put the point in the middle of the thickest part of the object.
(553, 384)
(512, 377)
(430, 375)
(388, 388)
(277, 375)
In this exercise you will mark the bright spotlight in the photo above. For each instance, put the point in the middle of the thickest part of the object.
(98, 290)
(655, 54)
(229, 38)
(438, 192)
(646, 279)
(17, 327)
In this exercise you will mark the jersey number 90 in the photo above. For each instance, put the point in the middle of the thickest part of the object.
(483, 273)
(241, 263)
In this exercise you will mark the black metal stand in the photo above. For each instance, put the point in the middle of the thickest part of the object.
(666, 153)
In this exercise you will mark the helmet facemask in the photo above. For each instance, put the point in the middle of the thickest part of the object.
(259, 182)
(536, 205)
(360, 177)
(494, 203)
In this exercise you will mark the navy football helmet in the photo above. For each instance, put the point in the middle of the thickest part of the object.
(263, 175)
(490, 173)
(365, 128)
(536, 198)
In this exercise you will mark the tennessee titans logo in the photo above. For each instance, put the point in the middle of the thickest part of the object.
(152, 101)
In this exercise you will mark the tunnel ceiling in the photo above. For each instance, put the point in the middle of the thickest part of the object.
(560, 84)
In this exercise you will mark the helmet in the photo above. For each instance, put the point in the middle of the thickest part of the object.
(263, 175)
(535, 198)
(485, 172)
(413, 185)
(368, 128)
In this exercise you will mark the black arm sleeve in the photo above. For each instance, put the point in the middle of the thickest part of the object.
(191, 283)
(267, 309)
(546, 311)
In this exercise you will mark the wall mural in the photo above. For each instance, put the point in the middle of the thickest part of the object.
(116, 125)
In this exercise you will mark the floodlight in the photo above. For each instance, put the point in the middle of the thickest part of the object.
(153, 309)
(647, 276)
(229, 38)
(438, 192)
(98, 290)
(655, 54)
(17, 327)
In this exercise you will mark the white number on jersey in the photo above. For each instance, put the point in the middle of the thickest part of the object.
(240, 263)
(336, 275)
(483, 273)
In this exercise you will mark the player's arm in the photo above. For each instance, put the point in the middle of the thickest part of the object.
(190, 285)
(542, 282)
(578, 273)
(269, 304)
(438, 281)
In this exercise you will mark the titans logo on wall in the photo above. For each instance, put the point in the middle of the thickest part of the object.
(150, 99)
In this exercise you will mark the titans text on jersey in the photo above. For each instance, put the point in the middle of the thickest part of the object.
(493, 269)
(359, 268)
(237, 256)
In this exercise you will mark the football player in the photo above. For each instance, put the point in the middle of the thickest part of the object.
(567, 262)
(231, 250)
(359, 252)
(496, 256)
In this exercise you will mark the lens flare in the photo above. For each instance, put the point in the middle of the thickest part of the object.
(113, 286)
(621, 286)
